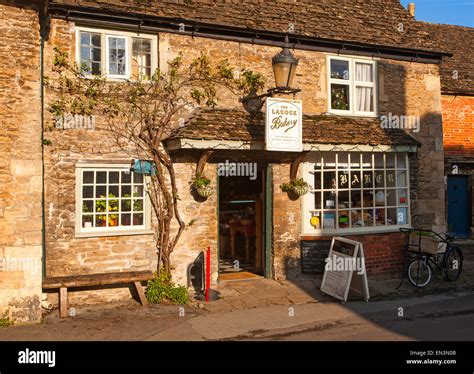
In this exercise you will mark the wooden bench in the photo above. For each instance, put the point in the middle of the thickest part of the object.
(91, 280)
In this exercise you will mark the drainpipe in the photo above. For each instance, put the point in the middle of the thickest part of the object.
(44, 19)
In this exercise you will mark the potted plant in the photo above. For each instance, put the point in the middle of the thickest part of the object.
(297, 187)
(202, 185)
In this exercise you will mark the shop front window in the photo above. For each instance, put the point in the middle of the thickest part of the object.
(357, 191)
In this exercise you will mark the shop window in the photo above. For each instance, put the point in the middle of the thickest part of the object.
(110, 200)
(357, 191)
(117, 55)
(352, 86)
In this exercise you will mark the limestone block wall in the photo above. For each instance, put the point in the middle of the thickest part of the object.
(20, 165)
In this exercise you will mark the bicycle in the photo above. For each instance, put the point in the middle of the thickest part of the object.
(438, 255)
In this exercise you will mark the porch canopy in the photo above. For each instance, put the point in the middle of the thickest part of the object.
(234, 130)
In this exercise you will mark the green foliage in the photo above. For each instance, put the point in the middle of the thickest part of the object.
(161, 288)
(251, 81)
(295, 183)
(47, 142)
(5, 322)
(200, 181)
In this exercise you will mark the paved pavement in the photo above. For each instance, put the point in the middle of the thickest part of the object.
(286, 310)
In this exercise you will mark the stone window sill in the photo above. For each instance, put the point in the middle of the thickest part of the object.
(85, 235)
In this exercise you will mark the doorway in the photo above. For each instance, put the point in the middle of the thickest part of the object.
(242, 225)
(459, 205)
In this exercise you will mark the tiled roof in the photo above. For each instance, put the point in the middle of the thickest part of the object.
(375, 22)
(457, 72)
(233, 124)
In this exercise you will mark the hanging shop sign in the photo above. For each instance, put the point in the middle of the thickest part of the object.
(345, 270)
(284, 125)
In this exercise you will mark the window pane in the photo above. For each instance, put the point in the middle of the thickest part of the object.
(364, 72)
(100, 220)
(88, 177)
(87, 192)
(355, 179)
(364, 99)
(126, 177)
(101, 191)
(114, 177)
(402, 197)
(113, 191)
(390, 160)
(317, 180)
(96, 40)
(138, 219)
(343, 179)
(101, 206)
(141, 58)
(390, 178)
(101, 177)
(392, 198)
(126, 205)
(339, 69)
(138, 205)
(368, 179)
(380, 217)
(126, 219)
(90, 52)
(113, 220)
(402, 179)
(126, 191)
(340, 97)
(87, 221)
(329, 220)
(401, 161)
(117, 56)
(329, 182)
(356, 216)
(379, 179)
(88, 206)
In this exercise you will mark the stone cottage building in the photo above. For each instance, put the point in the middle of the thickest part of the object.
(372, 140)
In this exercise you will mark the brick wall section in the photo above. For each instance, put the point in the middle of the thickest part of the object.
(458, 126)
(20, 165)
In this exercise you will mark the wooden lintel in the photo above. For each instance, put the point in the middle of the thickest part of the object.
(296, 164)
(203, 160)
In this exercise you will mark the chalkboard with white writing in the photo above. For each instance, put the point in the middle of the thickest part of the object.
(313, 255)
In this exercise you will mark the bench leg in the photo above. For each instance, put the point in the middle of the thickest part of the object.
(63, 303)
(141, 294)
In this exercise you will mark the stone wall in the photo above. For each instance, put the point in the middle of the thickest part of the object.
(20, 165)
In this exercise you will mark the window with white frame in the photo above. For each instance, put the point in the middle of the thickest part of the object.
(352, 86)
(110, 199)
(117, 55)
(356, 192)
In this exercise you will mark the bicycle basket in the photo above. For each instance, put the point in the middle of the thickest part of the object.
(425, 241)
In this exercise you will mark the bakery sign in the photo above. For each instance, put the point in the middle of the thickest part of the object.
(284, 125)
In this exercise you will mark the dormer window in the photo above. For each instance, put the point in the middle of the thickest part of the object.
(352, 86)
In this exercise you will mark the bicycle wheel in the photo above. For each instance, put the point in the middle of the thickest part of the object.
(452, 265)
(419, 272)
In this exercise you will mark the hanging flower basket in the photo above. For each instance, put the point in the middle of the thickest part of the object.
(296, 187)
(204, 191)
(202, 185)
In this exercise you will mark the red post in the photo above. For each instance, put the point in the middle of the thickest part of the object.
(208, 272)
